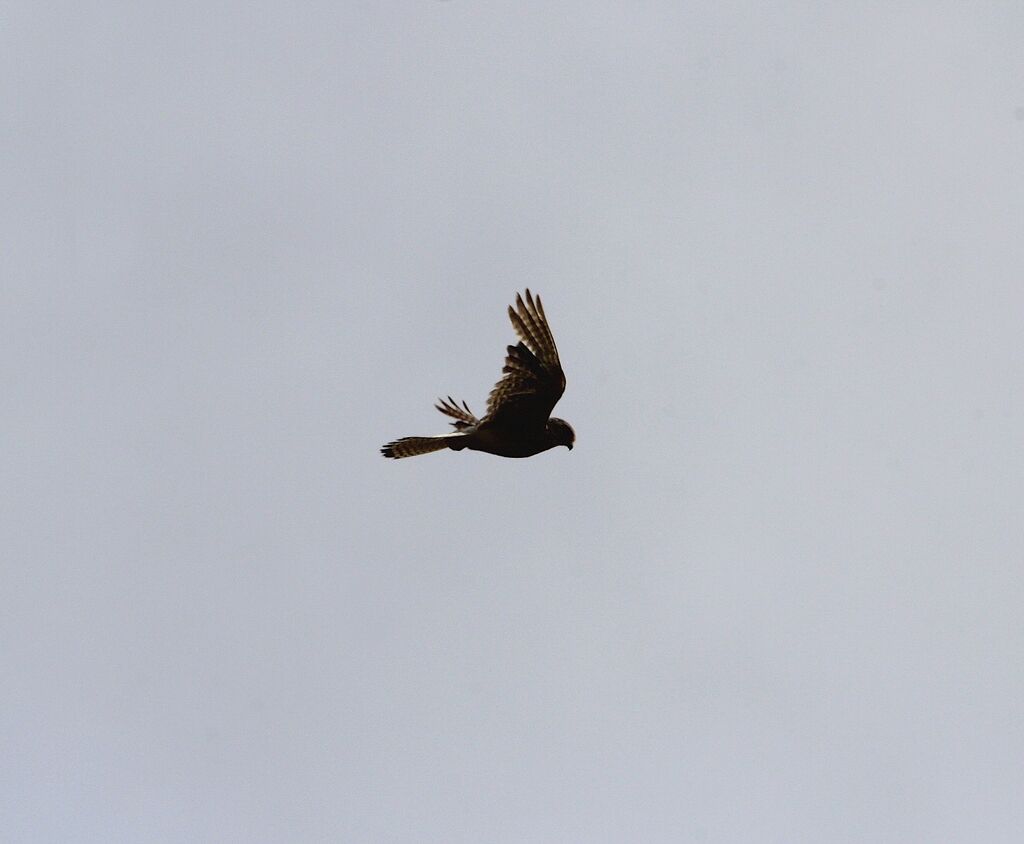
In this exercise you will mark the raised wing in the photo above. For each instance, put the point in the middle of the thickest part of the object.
(533, 380)
(463, 416)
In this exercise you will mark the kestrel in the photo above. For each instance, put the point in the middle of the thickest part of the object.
(518, 422)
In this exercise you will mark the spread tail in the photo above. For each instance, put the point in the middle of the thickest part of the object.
(411, 446)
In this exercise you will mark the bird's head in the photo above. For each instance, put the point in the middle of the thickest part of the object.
(561, 432)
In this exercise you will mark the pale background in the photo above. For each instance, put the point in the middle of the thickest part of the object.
(773, 595)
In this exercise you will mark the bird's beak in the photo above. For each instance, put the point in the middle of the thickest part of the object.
(570, 446)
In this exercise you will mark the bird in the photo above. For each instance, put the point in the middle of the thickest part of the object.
(518, 422)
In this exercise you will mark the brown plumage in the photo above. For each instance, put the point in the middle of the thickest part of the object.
(518, 422)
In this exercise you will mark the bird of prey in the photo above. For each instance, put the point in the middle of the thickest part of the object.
(518, 422)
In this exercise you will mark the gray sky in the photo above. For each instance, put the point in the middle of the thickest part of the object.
(773, 595)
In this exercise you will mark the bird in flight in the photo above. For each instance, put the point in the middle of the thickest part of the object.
(518, 422)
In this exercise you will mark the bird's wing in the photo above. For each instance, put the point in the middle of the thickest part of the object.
(532, 380)
(463, 416)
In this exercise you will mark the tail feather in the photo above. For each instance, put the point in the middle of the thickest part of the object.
(411, 446)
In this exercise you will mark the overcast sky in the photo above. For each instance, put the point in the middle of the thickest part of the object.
(773, 595)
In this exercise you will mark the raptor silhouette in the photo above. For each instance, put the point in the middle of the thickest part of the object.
(518, 422)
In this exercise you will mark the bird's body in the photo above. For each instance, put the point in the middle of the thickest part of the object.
(518, 422)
